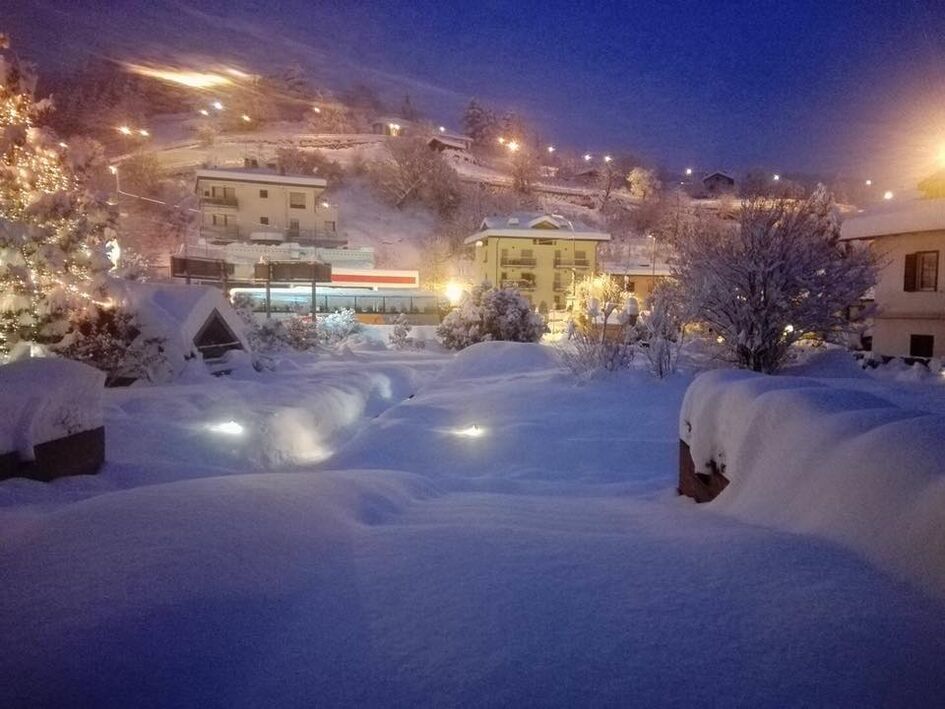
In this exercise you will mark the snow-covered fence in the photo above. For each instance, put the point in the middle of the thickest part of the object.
(842, 464)
(52, 419)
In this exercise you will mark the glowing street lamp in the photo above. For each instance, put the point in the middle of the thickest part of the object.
(607, 158)
(501, 140)
(218, 105)
(203, 112)
(888, 194)
(316, 109)
(124, 130)
(442, 129)
(228, 428)
(143, 133)
(688, 172)
(587, 157)
(63, 145)
(453, 292)
(551, 148)
(776, 178)
(246, 118)
(869, 183)
(513, 145)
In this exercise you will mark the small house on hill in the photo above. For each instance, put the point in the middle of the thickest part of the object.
(195, 322)
(718, 183)
(449, 141)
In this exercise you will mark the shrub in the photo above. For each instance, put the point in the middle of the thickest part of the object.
(489, 313)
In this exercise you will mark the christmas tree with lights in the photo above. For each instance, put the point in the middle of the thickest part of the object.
(52, 224)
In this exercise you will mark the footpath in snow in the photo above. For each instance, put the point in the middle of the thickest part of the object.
(423, 529)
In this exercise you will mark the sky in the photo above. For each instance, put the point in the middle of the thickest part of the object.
(823, 86)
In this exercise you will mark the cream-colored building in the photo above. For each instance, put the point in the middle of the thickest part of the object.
(261, 206)
(909, 295)
(540, 254)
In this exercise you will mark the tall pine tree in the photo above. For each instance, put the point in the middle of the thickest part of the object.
(52, 226)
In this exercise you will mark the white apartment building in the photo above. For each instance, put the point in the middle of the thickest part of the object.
(253, 205)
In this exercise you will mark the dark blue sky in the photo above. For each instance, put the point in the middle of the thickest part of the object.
(802, 85)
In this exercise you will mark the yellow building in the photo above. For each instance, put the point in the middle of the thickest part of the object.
(261, 206)
(909, 294)
(540, 254)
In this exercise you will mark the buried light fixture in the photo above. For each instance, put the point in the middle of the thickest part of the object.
(229, 428)
(473, 431)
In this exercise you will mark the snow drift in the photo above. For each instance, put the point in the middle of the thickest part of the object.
(841, 464)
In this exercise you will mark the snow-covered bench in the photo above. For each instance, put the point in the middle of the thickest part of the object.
(51, 422)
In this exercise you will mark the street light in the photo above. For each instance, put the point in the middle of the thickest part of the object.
(246, 118)
(442, 129)
(587, 157)
(688, 172)
(142, 132)
(777, 178)
(124, 130)
(203, 112)
(869, 183)
(501, 140)
(217, 105)
(888, 194)
(551, 148)
(513, 145)
(316, 109)
(607, 158)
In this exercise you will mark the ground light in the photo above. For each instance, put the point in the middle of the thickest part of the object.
(887, 195)
(228, 428)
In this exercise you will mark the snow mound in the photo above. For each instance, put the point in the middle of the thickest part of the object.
(841, 464)
(500, 359)
(826, 361)
(45, 399)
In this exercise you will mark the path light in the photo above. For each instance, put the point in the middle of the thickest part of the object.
(246, 118)
(227, 428)
(888, 194)
(869, 183)
(203, 112)
(788, 329)
(217, 105)
(63, 144)
(474, 431)
(124, 130)
(142, 132)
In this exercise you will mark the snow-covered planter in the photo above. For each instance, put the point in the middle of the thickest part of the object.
(812, 458)
(52, 424)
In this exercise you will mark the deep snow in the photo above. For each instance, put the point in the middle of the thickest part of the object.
(358, 545)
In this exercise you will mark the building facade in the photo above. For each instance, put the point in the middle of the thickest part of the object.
(261, 206)
(541, 255)
(909, 297)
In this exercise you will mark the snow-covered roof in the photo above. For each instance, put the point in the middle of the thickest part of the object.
(450, 141)
(534, 225)
(719, 173)
(634, 269)
(918, 216)
(260, 175)
(177, 314)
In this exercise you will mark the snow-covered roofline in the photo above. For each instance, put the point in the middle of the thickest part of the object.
(526, 233)
(720, 174)
(251, 175)
(914, 217)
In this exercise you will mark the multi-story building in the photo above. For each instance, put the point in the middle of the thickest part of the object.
(261, 206)
(540, 254)
(909, 296)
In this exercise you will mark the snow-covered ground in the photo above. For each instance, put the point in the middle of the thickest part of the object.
(420, 528)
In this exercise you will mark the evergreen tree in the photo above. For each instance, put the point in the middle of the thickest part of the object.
(479, 123)
(52, 226)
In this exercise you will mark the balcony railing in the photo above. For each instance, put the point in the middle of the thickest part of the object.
(572, 263)
(517, 262)
(261, 233)
(520, 285)
(220, 201)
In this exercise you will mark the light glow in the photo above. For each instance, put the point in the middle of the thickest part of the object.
(888, 194)
(442, 129)
(551, 148)
(144, 133)
(607, 158)
(474, 431)
(124, 130)
(227, 428)
(513, 146)
(777, 178)
(587, 157)
(688, 172)
(453, 292)
(246, 118)
(217, 105)
(189, 78)
(203, 112)
(869, 183)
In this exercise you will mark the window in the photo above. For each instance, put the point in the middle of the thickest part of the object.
(264, 220)
(294, 226)
(297, 200)
(921, 345)
(264, 194)
(921, 271)
(630, 287)
(220, 219)
(543, 242)
(329, 226)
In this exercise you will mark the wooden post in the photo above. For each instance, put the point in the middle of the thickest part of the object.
(268, 289)
(225, 279)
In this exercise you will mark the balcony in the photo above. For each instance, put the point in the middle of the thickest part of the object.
(572, 263)
(519, 284)
(226, 202)
(525, 262)
(265, 234)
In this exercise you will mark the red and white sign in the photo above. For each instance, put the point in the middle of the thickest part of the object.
(373, 278)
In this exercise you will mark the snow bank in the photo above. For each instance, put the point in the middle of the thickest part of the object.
(842, 464)
(493, 359)
(45, 399)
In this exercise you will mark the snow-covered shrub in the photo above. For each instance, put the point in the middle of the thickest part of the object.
(300, 333)
(110, 340)
(661, 329)
(399, 337)
(776, 274)
(601, 333)
(336, 327)
(489, 313)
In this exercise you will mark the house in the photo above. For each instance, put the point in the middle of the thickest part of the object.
(392, 126)
(449, 141)
(540, 254)
(257, 205)
(909, 296)
(637, 279)
(718, 183)
(195, 322)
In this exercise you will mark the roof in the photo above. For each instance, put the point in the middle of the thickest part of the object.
(450, 141)
(260, 175)
(910, 218)
(719, 173)
(635, 269)
(535, 225)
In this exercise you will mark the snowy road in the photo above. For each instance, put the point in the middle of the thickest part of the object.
(418, 530)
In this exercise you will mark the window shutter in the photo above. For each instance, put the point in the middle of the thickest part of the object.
(909, 278)
(935, 277)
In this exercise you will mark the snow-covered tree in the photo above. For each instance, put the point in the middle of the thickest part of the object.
(480, 123)
(488, 313)
(600, 333)
(292, 160)
(661, 329)
(643, 183)
(338, 326)
(524, 170)
(778, 273)
(52, 225)
(399, 337)
(414, 172)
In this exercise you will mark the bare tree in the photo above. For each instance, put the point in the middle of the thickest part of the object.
(643, 183)
(524, 171)
(414, 172)
(776, 274)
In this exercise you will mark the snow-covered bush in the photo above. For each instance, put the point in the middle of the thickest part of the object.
(601, 333)
(110, 340)
(778, 273)
(336, 327)
(661, 329)
(399, 337)
(488, 313)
